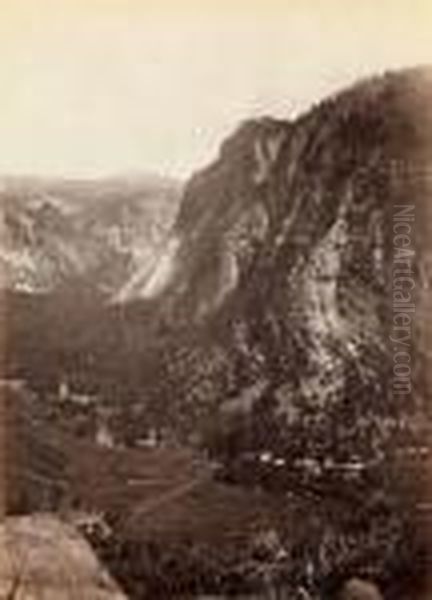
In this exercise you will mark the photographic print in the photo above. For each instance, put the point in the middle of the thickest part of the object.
(215, 285)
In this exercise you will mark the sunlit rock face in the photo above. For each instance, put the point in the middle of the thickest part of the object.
(151, 280)
(41, 557)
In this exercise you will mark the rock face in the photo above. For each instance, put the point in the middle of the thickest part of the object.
(41, 557)
(357, 589)
(94, 234)
(278, 275)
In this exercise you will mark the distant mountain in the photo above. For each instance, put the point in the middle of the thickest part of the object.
(96, 233)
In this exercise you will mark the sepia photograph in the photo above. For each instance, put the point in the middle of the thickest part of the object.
(215, 285)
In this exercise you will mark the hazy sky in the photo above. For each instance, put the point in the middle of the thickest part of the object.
(95, 87)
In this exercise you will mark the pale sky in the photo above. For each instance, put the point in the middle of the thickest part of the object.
(98, 87)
